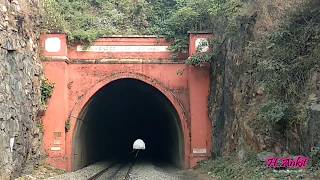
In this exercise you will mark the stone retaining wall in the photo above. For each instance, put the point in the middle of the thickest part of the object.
(20, 73)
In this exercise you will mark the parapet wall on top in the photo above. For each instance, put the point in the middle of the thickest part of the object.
(144, 49)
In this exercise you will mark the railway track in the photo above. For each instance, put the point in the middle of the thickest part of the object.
(115, 171)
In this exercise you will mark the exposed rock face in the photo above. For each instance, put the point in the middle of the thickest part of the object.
(20, 72)
(236, 97)
(232, 98)
(313, 133)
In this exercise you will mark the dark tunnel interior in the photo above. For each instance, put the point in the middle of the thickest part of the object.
(117, 115)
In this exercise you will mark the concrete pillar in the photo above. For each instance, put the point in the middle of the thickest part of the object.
(199, 85)
(54, 56)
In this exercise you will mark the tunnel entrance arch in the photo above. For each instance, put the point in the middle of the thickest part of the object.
(121, 109)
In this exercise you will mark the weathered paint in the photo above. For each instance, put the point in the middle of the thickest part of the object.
(83, 73)
(74, 53)
(61, 53)
(195, 38)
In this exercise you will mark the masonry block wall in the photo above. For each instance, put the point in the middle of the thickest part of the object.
(78, 73)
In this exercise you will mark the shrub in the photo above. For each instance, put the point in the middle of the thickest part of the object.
(284, 60)
(87, 20)
(273, 112)
(315, 157)
(286, 57)
(46, 91)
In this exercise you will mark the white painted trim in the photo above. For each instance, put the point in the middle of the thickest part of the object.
(199, 150)
(55, 148)
(123, 49)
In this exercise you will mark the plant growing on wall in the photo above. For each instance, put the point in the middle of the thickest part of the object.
(68, 125)
(46, 91)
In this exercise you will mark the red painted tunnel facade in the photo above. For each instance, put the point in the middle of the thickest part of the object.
(78, 73)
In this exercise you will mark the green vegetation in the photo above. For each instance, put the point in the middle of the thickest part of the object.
(40, 126)
(68, 125)
(46, 89)
(86, 20)
(198, 15)
(315, 157)
(288, 55)
(285, 60)
(230, 167)
(273, 112)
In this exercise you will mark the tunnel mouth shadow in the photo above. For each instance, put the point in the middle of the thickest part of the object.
(121, 112)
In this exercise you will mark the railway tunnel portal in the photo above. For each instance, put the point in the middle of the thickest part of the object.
(121, 112)
(123, 88)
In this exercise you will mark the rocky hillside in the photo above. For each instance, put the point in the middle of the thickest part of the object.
(266, 80)
(20, 72)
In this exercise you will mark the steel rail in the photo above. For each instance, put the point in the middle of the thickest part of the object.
(103, 171)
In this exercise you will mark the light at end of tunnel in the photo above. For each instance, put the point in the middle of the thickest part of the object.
(139, 144)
